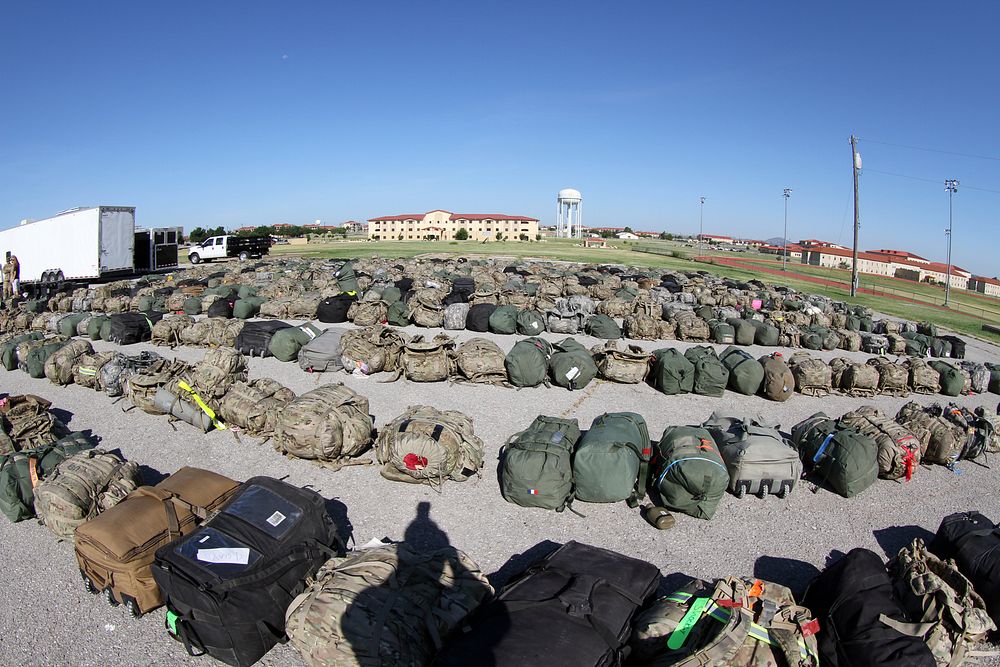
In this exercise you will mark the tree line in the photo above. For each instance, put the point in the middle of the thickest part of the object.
(199, 234)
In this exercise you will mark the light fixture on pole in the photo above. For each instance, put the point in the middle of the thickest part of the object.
(951, 187)
(784, 236)
(701, 223)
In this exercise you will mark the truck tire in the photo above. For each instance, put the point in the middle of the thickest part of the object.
(195, 258)
(244, 256)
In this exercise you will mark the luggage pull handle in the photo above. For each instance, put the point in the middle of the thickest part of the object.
(168, 499)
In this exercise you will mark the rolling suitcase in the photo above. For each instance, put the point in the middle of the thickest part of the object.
(758, 459)
(255, 338)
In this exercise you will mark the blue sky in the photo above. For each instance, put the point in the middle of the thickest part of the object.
(232, 113)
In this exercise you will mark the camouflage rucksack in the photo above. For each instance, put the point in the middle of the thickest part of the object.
(367, 313)
(418, 597)
(628, 366)
(304, 306)
(201, 332)
(217, 371)
(426, 309)
(690, 327)
(812, 376)
(898, 449)
(640, 326)
(923, 378)
(615, 307)
(731, 623)
(82, 487)
(946, 611)
(372, 349)
(87, 371)
(27, 423)
(892, 377)
(168, 330)
(59, 366)
(427, 360)
(140, 387)
(849, 340)
(860, 380)
(481, 361)
(425, 445)
(329, 424)
(940, 441)
(254, 406)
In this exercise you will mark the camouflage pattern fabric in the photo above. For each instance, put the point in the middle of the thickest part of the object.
(923, 378)
(892, 377)
(87, 371)
(641, 326)
(220, 368)
(425, 445)
(426, 309)
(328, 424)
(941, 441)
(140, 387)
(812, 376)
(428, 360)
(367, 313)
(375, 348)
(168, 330)
(27, 423)
(479, 360)
(60, 364)
(628, 366)
(898, 448)
(690, 327)
(254, 406)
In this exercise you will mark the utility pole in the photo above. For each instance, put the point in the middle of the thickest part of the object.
(856, 164)
(784, 236)
(701, 224)
(951, 187)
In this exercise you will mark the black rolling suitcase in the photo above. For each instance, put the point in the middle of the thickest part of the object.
(973, 542)
(574, 608)
(130, 328)
(255, 337)
(228, 583)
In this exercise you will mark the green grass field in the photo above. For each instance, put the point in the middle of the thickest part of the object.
(679, 258)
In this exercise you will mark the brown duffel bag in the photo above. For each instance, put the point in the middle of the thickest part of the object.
(115, 550)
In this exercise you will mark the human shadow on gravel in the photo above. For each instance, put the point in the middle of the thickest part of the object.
(518, 563)
(894, 538)
(65, 416)
(338, 512)
(795, 574)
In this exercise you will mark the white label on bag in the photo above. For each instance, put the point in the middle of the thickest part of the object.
(534, 325)
(572, 373)
(237, 556)
(276, 519)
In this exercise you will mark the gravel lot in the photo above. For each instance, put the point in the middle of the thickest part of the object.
(52, 621)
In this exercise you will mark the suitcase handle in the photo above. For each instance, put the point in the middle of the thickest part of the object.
(167, 499)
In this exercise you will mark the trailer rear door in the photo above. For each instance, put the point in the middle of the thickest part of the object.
(117, 238)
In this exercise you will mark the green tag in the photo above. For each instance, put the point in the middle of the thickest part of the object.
(172, 622)
(690, 619)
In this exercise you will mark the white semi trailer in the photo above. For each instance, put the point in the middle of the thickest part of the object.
(87, 245)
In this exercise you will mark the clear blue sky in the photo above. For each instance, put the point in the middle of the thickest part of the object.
(233, 113)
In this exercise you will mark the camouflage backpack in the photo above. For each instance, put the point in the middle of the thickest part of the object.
(426, 309)
(367, 313)
(731, 623)
(455, 315)
(922, 376)
(563, 320)
(837, 367)
(990, 423)
(615, 307)
(628, 366)
(690, 327)
(979, 376)
(372, 349)
(892, 377)
(87, 371)
(329, 424)
(425, 445)
(27, 423)
(898, 449)
(115, 373)
(418, 597)
(275, 309)
(640, 326)
(896, 344)
(175, 302)
(168, 330)
(946, 611)
(82, 487)
(304, 306)
(812, 376)
(201, 332)
(140, 387)
(217, 371)
(483, 296)
(860, 380)
(254, 406)
(59, 366)
(941, 441)
(425, 360)
(480, 360)
(849, 340)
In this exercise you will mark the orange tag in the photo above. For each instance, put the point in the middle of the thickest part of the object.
(756, 590)
(33, 472)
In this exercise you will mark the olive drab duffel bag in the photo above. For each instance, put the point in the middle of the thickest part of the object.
(82, 487)
(836, 455)
(535, 464)
(330, 424)
(527, 363)
(571, 365)
(286, 343)
(228, 583)
(115, 550)
(421, 597)
(745, 373)
(734, 622)
(672, 372)
(577, 604)
(688, 472)
(425, 445)
(611, 462)
(710, 375)
(21, 472)
(758, 458)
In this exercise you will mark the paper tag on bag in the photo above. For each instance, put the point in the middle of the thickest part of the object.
(235, 556)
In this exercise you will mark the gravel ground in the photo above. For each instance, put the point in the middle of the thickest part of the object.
(57, 623)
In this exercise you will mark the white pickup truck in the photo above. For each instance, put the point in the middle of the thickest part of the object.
(220, 247)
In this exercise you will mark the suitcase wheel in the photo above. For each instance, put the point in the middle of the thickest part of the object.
(110, 597)
(88, 585)
(132, 606)
(741, 489)
(786, 488)
(764, 490)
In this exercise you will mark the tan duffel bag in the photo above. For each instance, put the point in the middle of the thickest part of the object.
(116, 549)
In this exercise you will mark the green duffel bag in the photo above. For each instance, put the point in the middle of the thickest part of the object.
(225, 291)
(536, 469)
(245, 307)
(530, 322)
(36, 305)
(705, 312)
(928, 329)
(35, 363)
(939, 347)
(672, 372)
(245, 292)
(952, 380)
(192, 305)
(994, 370)
(744, 332)
(8, 351)
(811, 340)
(286, 343)
(105, 332)
(853, 323)
(837, 456)
(722, 333)
(397, 314)
(67, 325)
(867, 325)
(527, 363)
(688, 471)
(21, 472)
(766, 335)
(571, 365)
(627, 293)
(95, 325)
(602, 326)
(745, 373)
(503, 320)
(145, 303)
(612, 461)
(392, 294)
(710, 375)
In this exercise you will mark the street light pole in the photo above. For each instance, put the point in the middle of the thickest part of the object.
(784, 236)
(701, 224)
(951, 187)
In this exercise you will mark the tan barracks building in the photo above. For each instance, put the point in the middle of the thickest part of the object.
(443, 225)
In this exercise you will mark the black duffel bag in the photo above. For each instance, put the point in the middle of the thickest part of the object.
(221, 308)
(130, 328)
(333, 309)
(228, 583)
(850, 599)
(478, 318)
(575, 607)
(973, 542)
(254, 340)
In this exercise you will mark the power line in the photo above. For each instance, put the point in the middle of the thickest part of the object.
(927, 180)
(934, 150)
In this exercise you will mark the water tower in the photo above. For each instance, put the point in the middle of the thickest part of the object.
(569, 216)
